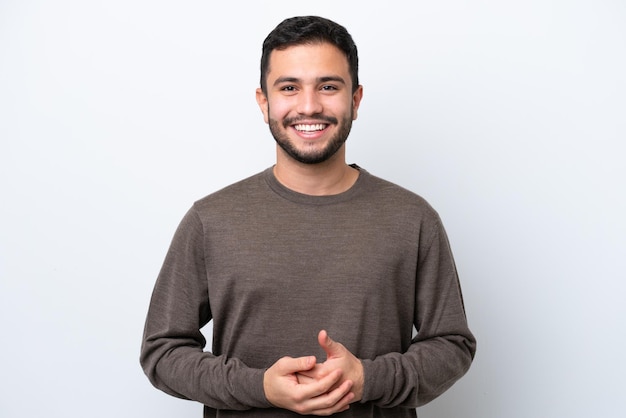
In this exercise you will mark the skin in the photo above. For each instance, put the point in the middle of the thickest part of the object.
(338, 357)
(310, 85)
(302, 386)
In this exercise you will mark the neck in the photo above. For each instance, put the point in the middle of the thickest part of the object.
(331, 177)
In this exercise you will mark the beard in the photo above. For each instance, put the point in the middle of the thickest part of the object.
(279, 133)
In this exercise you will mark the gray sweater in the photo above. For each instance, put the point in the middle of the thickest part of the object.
(271, 267)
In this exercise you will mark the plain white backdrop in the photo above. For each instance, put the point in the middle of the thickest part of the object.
(508, 116)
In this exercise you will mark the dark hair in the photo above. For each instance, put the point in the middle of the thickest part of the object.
(310, 30)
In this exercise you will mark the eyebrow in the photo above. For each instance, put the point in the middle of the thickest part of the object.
(325, 79)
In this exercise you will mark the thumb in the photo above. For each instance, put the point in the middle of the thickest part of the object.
(332, 348)
(289, 365)
(301, 364)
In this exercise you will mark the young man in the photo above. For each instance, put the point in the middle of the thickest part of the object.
(305, 251)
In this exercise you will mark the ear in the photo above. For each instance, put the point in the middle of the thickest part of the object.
(356, 101)
(261, 100)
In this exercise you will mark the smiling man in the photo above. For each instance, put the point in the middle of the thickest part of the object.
(309, 101)
(312, 102)
(309, 249)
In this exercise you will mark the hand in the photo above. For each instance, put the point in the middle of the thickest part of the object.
(338, 357)
(325, 395)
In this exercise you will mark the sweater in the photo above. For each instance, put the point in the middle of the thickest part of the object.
(271, 267)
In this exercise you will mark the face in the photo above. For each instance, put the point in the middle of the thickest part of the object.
(309, 104)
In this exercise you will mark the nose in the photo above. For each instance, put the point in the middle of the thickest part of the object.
(309, 102)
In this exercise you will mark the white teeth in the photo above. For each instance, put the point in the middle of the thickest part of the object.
(309, 128)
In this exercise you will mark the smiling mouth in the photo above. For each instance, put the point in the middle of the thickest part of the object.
(310, 128)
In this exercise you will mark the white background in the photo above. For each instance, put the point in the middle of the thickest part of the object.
(508, 116)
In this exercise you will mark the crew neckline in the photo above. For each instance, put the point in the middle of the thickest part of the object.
(307, 199)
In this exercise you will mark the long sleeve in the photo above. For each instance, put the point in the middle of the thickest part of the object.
(444, 347)
(172, 353)
(270, 267)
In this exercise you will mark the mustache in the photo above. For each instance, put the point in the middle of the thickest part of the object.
(317, 117)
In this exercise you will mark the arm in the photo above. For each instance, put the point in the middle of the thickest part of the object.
(172, 353)
(444, 347)
(285, 388)
(438, 356)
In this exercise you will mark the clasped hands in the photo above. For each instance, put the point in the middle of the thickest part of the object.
(301, 385)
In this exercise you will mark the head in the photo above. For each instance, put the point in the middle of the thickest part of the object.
(304, 30)
(309, 91)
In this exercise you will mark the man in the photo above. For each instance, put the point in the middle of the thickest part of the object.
(314, 272)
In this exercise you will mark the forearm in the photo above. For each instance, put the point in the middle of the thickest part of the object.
(444, 347)
(216, 381)
(418, 376)
(172, 353)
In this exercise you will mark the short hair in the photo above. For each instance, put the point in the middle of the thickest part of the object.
(302, 30)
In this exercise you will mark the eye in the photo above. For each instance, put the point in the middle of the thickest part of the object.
(288, 88)
(328, 87)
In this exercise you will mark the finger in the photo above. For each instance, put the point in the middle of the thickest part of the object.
(331, 347)
(304, 379)
(288, 365)
(315, 388)
(316, 372)
(324, 397)
(337, 400)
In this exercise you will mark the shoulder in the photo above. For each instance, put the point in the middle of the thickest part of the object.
(391, 196)
(233, 195)
(400, 212)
